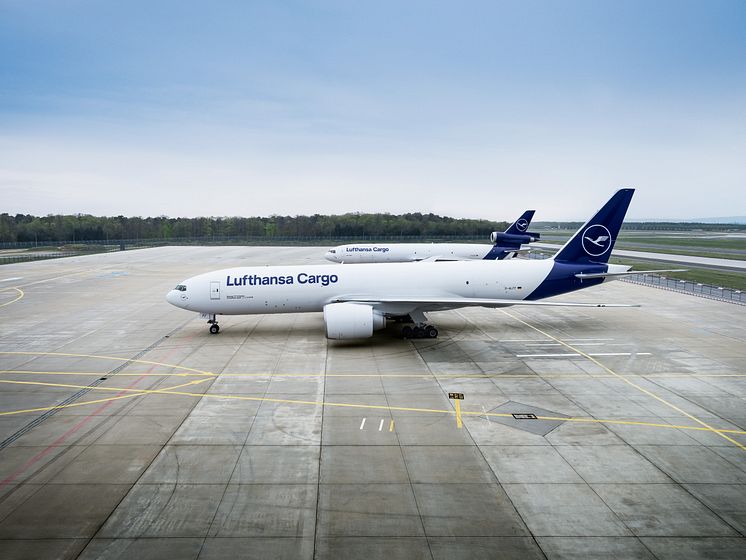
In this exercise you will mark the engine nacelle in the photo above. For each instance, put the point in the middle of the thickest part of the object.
(498, 237)
(346, 321)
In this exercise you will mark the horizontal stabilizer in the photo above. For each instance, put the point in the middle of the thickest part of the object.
(591, 275)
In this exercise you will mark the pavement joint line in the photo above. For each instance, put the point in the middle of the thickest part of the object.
(99, 373)
(476, 413)
(19, 296)
(115, 358)
(48, 412)
(391, 375)
(631, 383)
(131, 393)
(60, 440)
(578, 355)
(58, 277)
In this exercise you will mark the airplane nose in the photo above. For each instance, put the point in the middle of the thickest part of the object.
(177, 298)
(172, 297)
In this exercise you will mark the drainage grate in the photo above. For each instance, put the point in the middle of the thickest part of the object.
(527, 418)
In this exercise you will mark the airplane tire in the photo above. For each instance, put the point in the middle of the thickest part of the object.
(214, 329)
(406, 332)
(418, 332)
(431, 332)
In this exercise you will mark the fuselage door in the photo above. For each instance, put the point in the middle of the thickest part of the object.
(214, 290)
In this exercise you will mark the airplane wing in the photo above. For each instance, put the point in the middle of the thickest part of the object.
(438, 258)
(455, 302)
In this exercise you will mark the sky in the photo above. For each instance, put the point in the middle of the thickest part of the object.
(464, 108)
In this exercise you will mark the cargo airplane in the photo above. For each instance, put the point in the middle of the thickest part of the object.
(358, 299)
(504, 244)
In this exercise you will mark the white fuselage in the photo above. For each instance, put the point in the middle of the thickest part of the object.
(293, 289)
(405, 252)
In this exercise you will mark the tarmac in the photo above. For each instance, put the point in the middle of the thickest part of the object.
(128, 431)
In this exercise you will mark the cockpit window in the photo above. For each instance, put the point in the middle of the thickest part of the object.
(181, 288)
(333, 251)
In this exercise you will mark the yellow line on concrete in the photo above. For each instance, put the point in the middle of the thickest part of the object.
(97, 388)
(459, 423)
(172, 391)
(19, 296)
(279, 376)
(630, 383)
(99, 373)
(391, 425)
(115, 358)
(131, 393)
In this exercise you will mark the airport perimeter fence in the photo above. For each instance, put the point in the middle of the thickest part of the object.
(331, 240)
(27, 251)
(698, 289)
(686, 286)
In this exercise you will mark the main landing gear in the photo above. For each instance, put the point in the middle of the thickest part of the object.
(419, 331)
(214, 327)
(419, 327)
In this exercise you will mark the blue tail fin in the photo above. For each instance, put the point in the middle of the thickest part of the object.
(593, 242)
(520, 226)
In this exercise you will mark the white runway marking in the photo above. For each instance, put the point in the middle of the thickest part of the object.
(576, 355)
(586, 339)
(545, 355)
(362, 424)
(380, 426)
(11, 279)
(623, 354)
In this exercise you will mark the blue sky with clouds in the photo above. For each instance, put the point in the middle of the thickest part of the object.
(462, 108)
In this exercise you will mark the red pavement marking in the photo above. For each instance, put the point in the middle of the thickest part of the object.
(56, 443)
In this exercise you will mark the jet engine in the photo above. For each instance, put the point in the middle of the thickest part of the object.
(346, 321)
(498, 237)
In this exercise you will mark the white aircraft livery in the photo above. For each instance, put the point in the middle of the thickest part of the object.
(504, 245)
(357, 299)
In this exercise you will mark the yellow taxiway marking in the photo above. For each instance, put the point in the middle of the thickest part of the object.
(99, 373)
(459, 423)
(706, 426)
(21, 293)
(131, 393)
(391, 425)
(172, 391)
(277, 376)
(19, 296)
(115, 358)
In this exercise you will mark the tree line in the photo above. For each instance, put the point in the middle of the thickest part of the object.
(84, 227)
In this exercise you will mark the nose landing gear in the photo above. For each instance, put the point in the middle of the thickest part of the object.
(214, 327)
